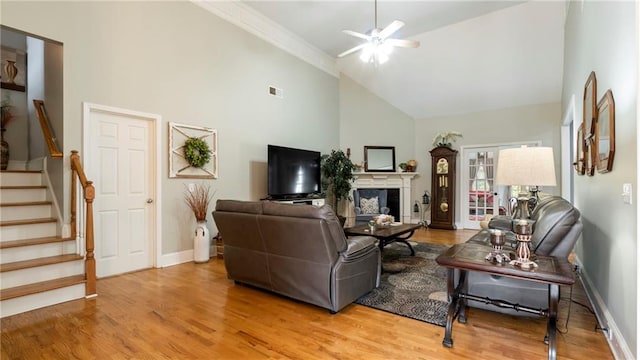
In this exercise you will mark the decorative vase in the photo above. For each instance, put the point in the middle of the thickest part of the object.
(11, 70)
(4, 152)
(201, 243)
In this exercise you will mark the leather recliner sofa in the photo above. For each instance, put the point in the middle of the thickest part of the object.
(556, 230)
(299, 251)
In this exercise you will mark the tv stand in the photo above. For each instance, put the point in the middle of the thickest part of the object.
(302, 201)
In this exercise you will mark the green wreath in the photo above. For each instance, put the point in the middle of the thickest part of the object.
(197, 152)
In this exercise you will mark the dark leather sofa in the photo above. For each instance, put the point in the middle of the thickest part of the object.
(556, 230)
(299, 251)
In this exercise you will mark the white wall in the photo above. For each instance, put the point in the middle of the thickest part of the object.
(366, 119)
(511, 125)
(177, 60)
(602, 37)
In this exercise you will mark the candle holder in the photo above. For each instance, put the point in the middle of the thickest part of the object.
(522, 229)
(497, 238)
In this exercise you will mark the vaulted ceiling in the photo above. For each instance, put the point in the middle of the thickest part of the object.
(474, 55)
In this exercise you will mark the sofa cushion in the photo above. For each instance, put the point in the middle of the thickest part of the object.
(248, 207)
(293, 210)
(554, 220)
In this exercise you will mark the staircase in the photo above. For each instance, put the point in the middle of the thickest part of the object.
(38, 268)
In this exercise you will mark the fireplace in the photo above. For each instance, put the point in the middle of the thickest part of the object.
(399, 185)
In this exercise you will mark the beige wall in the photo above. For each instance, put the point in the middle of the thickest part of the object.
(511, 125)
(191, 67)
(602, 37)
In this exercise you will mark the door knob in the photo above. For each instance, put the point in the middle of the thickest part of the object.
(149, 201)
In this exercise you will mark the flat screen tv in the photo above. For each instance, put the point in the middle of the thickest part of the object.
(293, 173)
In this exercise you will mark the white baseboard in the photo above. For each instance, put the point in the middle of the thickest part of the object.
(176, 258)
(617, 343)
(182, 257)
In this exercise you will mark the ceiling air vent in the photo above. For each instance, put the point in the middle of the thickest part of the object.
(275, 92)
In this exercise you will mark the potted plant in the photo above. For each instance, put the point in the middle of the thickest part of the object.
(337, 174)
(446, 138)
(198, 197)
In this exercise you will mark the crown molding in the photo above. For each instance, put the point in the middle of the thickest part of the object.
(259, 25)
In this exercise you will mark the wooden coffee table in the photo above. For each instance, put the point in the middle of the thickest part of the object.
(471, 257)
(387, 235)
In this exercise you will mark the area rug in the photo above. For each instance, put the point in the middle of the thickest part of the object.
(411, 286)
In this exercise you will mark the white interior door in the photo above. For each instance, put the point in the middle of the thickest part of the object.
(480, 197)
(122, 162)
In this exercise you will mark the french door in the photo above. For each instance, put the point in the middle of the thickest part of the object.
(480, 196)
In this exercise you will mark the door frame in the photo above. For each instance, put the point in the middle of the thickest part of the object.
(463, 210)
(567, 144)
(154, 121)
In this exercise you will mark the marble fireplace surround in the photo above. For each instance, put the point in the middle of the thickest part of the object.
(389, 180)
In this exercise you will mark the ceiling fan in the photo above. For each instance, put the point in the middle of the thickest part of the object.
(378, 45)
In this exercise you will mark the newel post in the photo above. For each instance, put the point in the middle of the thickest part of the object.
(90, 262)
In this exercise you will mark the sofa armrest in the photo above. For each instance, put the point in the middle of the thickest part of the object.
(356, 245)
(357, 210)
(384, 210)
(501, 222)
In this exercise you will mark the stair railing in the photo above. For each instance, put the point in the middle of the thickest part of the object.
(89, 193)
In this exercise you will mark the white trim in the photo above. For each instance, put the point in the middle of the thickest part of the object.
(617, 343)
(176, 258)
(54, 201)
(259, 25)
(567, 134)
(155, 121)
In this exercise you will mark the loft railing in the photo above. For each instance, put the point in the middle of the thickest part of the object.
(88, 192)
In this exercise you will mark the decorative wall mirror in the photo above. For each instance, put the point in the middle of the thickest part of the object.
(380, 158)
(604, 141)
(589, 106)
(580, 153)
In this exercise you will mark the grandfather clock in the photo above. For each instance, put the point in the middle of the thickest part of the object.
(443, 188)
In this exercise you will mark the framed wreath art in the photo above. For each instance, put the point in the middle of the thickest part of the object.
(193, 152)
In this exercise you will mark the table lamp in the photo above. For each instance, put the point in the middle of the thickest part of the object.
(525, 166)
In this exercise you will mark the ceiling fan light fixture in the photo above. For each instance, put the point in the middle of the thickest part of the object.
(378, 44)
(376, 53)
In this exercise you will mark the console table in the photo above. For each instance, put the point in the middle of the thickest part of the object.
(471, 257)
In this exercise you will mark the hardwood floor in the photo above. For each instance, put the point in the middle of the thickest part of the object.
(192, 311)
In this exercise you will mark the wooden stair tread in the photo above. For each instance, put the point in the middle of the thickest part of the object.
(34, 241)
(27, 221)
(23, 187)
(39, 287)
(18, 265)
(27, 203)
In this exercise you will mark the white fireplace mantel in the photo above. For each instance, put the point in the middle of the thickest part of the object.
(389, 180)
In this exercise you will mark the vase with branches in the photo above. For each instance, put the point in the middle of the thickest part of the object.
(198, 197)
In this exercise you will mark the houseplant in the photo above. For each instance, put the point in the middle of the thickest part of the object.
(337, 174)
(446, 138)
(198, 197)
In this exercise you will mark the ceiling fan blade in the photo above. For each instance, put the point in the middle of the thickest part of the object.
(357, 34)
(352, 50)
(403, 43)
(390, 29)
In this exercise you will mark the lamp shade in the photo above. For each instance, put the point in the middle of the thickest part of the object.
(526, 166)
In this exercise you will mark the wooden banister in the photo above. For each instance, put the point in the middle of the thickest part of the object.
(47, 129)
(89, 194)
